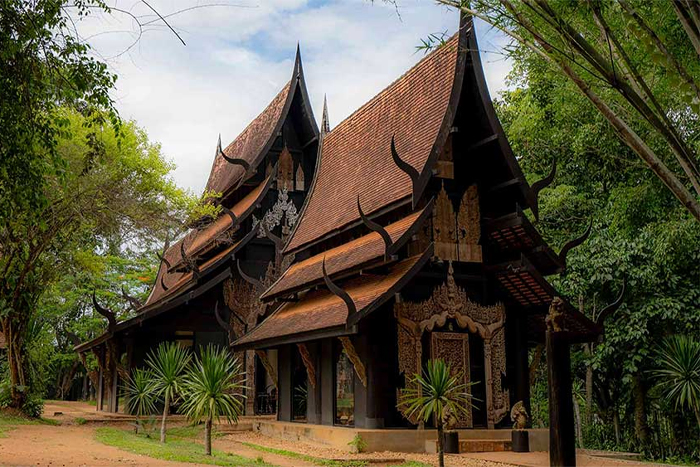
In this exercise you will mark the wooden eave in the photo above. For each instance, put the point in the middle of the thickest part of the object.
(321, 313)
(188, 289)
(222, 224)
(344, 260)
(528, 289)
(514, 233)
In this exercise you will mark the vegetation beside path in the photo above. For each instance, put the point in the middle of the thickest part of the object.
(179, 449)
(9, 420)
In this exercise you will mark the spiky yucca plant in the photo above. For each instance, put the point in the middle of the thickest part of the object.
(214, 389)
(677, 373)
(168, 363)
(437, 394)
(142, 397)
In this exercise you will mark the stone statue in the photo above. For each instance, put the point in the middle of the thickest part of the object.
(518, 415)
(555, 318)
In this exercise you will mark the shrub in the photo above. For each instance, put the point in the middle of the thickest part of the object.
(33, 407)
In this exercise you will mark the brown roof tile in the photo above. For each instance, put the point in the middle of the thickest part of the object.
(352, 254)
(248, 145)
(321, 309)
(356, 156)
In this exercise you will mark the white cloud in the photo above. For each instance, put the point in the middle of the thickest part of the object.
(237, 59)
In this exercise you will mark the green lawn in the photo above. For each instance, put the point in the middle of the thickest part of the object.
(178, 448)
(8, 422)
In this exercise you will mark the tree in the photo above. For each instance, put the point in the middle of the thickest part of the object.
(436, 394)
(635, 62)
(213, 389)
(677, 373)
(141, 395)
(168, 363)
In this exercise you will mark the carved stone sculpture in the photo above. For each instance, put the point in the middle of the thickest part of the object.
(518, 415)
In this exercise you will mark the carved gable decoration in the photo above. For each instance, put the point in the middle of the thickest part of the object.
(283, 213)
(457, 235)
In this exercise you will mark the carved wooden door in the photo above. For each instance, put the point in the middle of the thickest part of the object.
(453, 349)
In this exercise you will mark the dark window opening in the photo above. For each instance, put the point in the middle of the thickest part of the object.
(299, 388)
(344, 389)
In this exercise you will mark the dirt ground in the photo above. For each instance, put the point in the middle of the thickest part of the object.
(72, 444)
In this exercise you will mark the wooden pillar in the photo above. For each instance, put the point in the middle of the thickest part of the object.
(488, 376)
(251, 382)
(327, 382)
(313, 405)
(562, 440)
(100, 391)
(284, 393)
(521, 383)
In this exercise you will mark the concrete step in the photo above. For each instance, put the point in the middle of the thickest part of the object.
(474, 445)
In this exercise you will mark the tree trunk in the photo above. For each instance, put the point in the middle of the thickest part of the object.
(641, 427)
(165, 416)
(577, 419)
(15, 360)
(441, 444)
(697, 416)
(616, 426)
(207, 436)
(136, 425)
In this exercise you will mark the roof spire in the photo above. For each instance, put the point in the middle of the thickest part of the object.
(218, 146)
(325, 126)
(297, 62)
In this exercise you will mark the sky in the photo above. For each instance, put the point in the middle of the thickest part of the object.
(238, 54)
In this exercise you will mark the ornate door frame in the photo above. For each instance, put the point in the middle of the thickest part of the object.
(453, 347)
(450, 301)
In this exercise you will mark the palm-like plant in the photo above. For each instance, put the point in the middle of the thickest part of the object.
(213, 389)
(678, 373)
(438, 394)
(168, 363)
(140, 390)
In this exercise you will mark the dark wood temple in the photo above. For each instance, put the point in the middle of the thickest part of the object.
(220, 267)
(345, 259)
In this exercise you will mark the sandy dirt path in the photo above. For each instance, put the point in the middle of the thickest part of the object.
(58, 446)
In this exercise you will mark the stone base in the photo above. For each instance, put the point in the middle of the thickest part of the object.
(396, 440)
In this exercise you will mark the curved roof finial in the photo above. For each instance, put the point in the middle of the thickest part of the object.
(407, 168)
(371, 225)
(540, 185)
(571, 244)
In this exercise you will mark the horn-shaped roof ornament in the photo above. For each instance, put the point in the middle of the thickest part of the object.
(134, 302)
(279, 243)
(338, 292)
(111, 318)
(571, 244)
(612, 308)
(162, 283)
(408, 169)
(541, 185)
(388, 243)
(235, 161)
(249, 279)
(190, 263)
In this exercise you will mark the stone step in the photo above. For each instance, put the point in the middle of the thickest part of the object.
(484, 445)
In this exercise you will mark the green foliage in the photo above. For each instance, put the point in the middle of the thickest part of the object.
(306, 457)
(176, 450)
(80, 421)
(167, 364)
(214, 387)
(141, 392)
(436, 393)
(677, 374)
(358, 443)
(33, 407)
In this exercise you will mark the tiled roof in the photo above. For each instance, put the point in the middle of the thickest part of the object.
(197, 241)
(355, 253)
(177, 281)
(321, 309)
(248, 145)
(356, 155)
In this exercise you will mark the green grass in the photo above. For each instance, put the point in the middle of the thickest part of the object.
(177, 449)
(8, 422)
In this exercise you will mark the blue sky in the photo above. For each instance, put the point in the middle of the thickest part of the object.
(240, 53)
